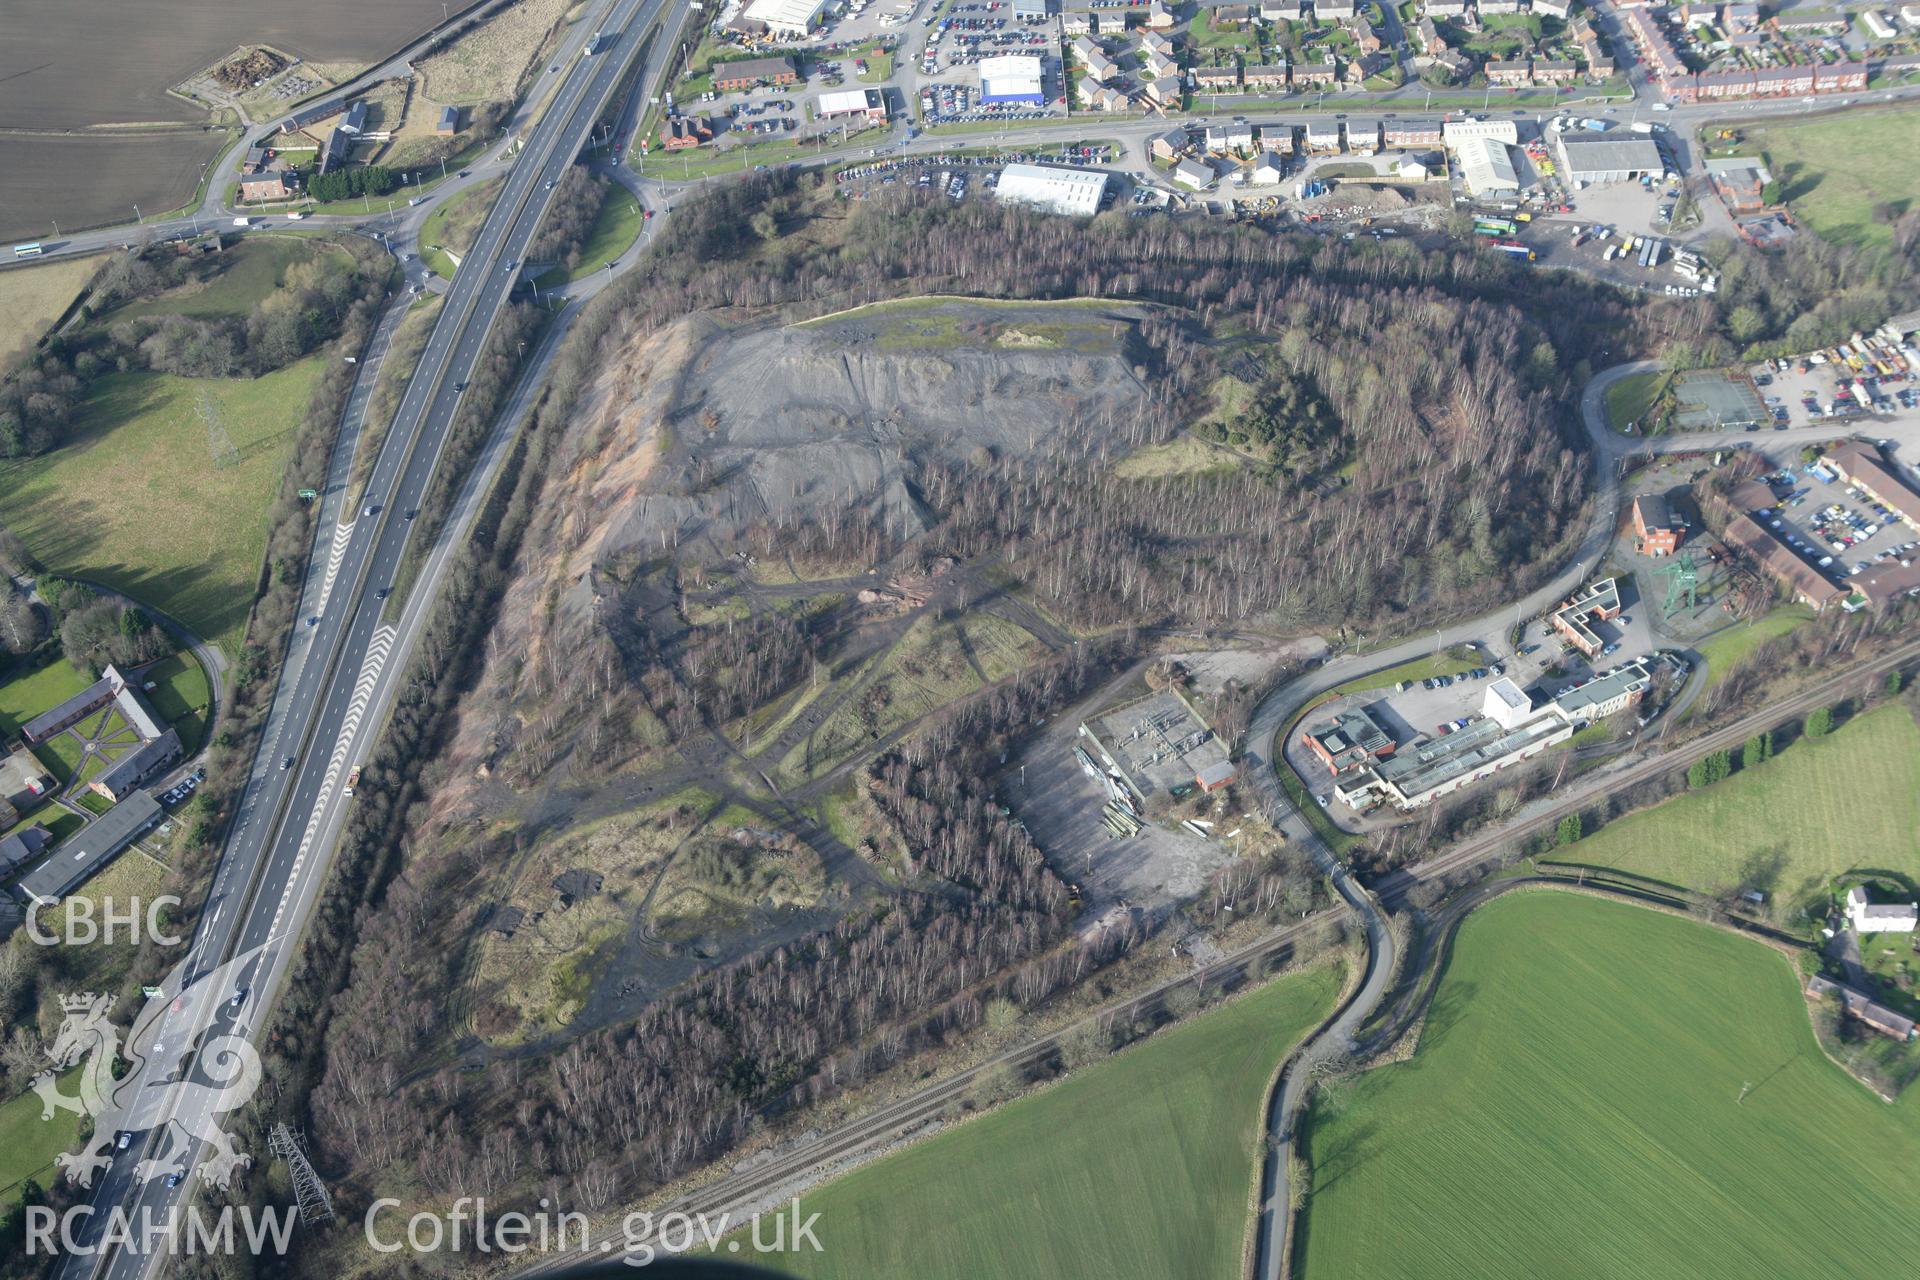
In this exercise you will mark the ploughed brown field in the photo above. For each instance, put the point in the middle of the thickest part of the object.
(90, 180)
(68, 63)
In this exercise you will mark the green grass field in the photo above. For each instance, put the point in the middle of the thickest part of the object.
(33, 298)
(1724, 650)
(1443, 664)
(1833, 183)
(454, 223)
(26, 691)
(28, 1144)
(1140, 1166)
(249, 271)
(136, 501)
(614, 231)
(182, 697)
(1575, 1109)
(1820, 807)
(1629, 399)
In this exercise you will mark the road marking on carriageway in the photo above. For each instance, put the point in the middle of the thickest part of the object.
(376, 660)
(342, 535)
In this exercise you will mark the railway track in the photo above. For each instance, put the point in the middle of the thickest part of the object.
(740, 1190)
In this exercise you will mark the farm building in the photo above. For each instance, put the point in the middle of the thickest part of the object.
(1872, 917)
(1013, 77)
(1654, 524)
(275, 185)
(786, 17)
(1073, 192)
(1598, 602)
(845, 104)
(1600, 162)
(1860, 1005)
(97, 844)
(1486, 167)
(1348, 741)
(732, 77)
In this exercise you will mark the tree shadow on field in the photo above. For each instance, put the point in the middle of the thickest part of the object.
(1796, 182)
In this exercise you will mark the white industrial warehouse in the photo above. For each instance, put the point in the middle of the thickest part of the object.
(1011, 77)
(1075, 192)
(787, 17)
(1485, 166)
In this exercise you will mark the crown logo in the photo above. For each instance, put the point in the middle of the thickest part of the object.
(81, 1003)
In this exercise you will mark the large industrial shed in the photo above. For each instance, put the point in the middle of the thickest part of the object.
(1013, 77)
(1075, 192)
(1595, 163)
(1486, 167)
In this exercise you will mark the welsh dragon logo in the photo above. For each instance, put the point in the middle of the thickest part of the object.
(156, 1093)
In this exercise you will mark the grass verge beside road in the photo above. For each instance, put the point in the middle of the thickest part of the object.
(1136, 1168)
(614, 230)
(1614, 1085)
(137, 499)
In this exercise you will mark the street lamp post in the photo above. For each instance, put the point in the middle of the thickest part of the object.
(137, 217)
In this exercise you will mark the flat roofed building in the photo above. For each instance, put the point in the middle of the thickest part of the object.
(1013, 77)
(786, 17)
(1073, 192)
(1654, 524)
(1507, 703)
(1348, 741)
(1598, 602)
(1605, 695)
(1485, 166)
(1455, 132)
(1418, 775)
(86, 853)
(841, 104)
